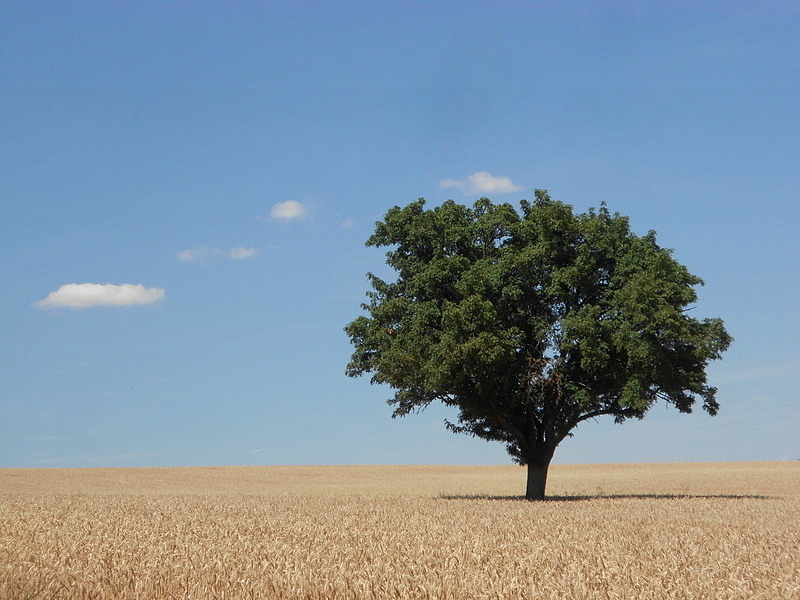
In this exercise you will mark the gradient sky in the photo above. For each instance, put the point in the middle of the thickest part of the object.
(186, 188)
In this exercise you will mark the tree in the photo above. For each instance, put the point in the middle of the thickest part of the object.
(529, 324)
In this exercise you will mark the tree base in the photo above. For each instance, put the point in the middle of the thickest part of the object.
(537, 480)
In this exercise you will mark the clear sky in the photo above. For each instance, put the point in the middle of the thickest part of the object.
(186, 188)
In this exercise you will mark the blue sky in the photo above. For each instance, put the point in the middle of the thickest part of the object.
(186, 188)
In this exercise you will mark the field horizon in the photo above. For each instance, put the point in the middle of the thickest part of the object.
(720, 531)
(563, 480)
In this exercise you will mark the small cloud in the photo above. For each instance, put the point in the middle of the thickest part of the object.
(348, 223)
(240, 253)
(284, 211)
(201, 252)
(193, 254)
(482, 182)
(86, 295)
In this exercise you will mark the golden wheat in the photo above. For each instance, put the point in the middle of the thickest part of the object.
(716, 531)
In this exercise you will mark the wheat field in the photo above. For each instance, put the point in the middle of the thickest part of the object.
(650, 531)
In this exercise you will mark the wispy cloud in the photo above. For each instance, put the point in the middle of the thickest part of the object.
(240, 253)
(285, 211)
(482, 182)
(193, 254)
(87, 295)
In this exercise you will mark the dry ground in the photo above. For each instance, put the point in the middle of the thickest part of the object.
(706, 530)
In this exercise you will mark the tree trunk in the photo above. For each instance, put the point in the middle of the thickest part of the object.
(537, 479)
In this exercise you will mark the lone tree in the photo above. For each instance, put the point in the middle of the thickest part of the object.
(531, 323)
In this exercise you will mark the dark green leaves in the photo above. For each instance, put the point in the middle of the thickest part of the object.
(530, 323)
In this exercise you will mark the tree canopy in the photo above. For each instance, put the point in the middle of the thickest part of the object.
(530, 323)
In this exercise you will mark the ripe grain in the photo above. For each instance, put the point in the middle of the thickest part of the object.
(719, 531)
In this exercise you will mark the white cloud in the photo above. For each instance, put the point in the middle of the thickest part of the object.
(193, 254)
(86, 295)
(240, 253)
(482, 182)
(291, 209)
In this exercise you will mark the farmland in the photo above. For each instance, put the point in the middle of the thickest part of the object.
(702, 530)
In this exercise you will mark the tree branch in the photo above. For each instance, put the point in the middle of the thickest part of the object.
(601, 412)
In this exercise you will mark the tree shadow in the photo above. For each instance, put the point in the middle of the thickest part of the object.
(601, 496)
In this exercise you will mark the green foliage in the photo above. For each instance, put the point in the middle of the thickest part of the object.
(530, 323)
